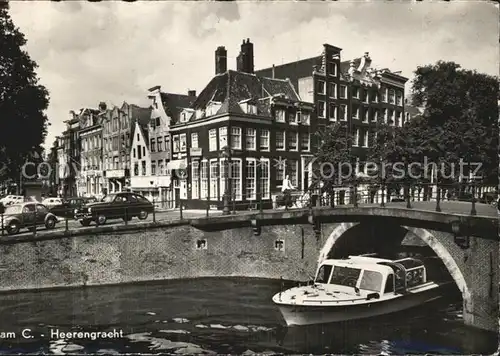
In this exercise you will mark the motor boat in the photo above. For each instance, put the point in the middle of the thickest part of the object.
(355, 288)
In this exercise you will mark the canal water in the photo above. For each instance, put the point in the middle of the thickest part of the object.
(219, 316)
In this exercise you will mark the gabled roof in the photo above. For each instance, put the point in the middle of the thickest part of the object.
(174, 103)
(231, 88)
(144, 132)
(142, 115)
(293, 70)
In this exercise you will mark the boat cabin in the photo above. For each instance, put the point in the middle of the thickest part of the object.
(374, 276)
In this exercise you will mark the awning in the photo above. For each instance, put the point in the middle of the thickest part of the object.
(177, 164)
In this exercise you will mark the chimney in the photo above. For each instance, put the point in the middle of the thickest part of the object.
(220, 60)
(245, 59)
(192, 92)
(273, 76)
(102, 106)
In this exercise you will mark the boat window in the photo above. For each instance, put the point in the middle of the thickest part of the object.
(389, 284)
(323, 274)
(415, 277)
(371, 280)
(345, 276)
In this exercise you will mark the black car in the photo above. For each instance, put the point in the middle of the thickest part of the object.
(115, 206)
(70, 205)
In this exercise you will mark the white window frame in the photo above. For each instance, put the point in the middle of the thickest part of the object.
(280, 115)
(214, 181)
(344, 117)
(366, 114)
(288, 171)
(195, 182)
(334, 66)
(194, 140)
(296, 135)
(323, 113)
(385, 96)
(334, 86)
(356, 113)
(177, 144)
(365, 139)
(264, 133)
(236, 133)
(355, 142)
(253, 193)
(375, 113)
(321, 87)
(222, 135)
(343, 91)
(292, 118)
(355, 93)
(222, 176)
(204, 182)
(283, 134)
(239, 192)
(265, 179)
(212, 140)
(304, 118)
(253, 143)
(334, 111)
(183, 142)
(308, 141)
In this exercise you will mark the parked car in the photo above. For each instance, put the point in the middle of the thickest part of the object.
(27, 215)
(12, 199)
(124, 206)
(70, 206)
(489, 198)
(51, 202)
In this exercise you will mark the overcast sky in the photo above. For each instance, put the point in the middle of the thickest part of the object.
(115, 51)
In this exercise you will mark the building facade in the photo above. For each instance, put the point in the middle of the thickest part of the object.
(68, 153)
(117, 140)
(350, 92)
(91, 176)
(242, 136)
(167, 109)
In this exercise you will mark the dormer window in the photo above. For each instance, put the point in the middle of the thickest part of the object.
(303, 118)
(249, 107)
(280, 115)
(212, 108)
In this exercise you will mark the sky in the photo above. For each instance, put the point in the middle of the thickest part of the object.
(115, 51)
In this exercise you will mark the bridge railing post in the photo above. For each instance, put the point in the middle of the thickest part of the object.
(473, 208)
(408, 194)
(382, 194)
(355, 192)
(438, 197)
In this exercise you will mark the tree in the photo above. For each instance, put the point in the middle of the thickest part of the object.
(23, 124)
(333, 164)
(460, 117)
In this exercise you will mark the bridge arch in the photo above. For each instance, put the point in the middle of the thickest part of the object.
(427, 237)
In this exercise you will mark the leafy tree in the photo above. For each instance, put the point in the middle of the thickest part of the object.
(334, 159)
(460, 116)
(23, 124)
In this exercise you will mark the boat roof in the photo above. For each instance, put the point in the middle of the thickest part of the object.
(362, 262)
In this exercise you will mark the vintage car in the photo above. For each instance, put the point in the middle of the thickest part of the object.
(26, 215)
(70, 205)
(124, 206)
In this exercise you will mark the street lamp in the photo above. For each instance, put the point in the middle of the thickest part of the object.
(226, 154)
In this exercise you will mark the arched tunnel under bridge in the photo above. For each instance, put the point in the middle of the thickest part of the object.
(474, 271)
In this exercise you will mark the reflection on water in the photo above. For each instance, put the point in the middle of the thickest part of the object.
(211, 316)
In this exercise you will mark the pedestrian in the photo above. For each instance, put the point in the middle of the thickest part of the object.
(286, 189)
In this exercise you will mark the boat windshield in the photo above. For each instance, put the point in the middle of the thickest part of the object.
(345, 276)
(323, 274)
(371, 280)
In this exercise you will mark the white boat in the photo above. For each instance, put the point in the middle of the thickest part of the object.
(356, 288)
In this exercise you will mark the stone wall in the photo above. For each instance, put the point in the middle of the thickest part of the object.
(157, 254)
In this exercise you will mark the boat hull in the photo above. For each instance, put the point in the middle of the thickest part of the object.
(308, 315)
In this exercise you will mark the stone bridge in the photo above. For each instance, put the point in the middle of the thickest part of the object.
(466, 244)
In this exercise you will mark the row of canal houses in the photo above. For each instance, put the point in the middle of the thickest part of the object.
(245, 131)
